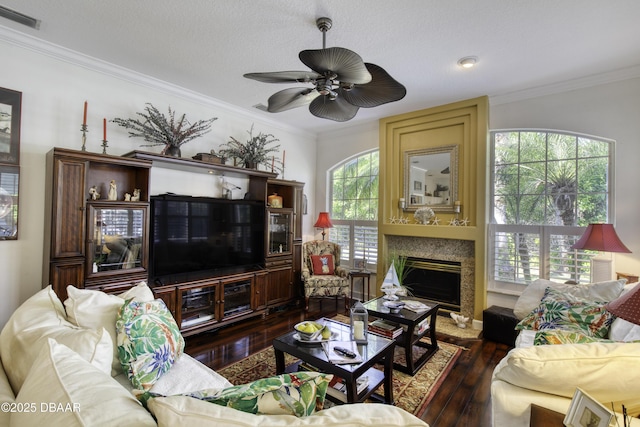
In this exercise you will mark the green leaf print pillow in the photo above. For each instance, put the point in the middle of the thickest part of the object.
(300, 394)
(149, 341)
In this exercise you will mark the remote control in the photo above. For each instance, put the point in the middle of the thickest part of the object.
(344, 352)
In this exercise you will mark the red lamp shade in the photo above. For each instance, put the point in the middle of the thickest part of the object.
(627, 306)
(600, 237)
(323, 222)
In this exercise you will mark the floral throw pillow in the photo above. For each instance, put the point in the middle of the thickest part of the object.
(299, 394)
(149, 341)
(561, 336)
(557, 310)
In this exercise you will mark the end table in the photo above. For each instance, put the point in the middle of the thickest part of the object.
(543, 417)
(364, 275)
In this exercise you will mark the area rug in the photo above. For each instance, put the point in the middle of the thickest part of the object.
(411, 393)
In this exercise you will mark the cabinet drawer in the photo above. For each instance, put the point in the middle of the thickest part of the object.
(279, 263)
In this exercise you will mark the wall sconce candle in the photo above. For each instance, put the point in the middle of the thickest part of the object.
(401, 203)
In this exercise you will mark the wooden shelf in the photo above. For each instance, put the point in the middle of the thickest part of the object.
(181, 163)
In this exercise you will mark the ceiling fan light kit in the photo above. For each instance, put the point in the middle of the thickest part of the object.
(342, 83)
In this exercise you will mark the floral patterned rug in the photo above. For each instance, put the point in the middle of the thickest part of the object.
(411, 393)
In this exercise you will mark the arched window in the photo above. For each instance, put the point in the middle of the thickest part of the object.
(354, 207)
(547, 186)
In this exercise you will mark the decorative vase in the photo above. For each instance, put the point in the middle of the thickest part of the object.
(249, 164)
(274, 200)
(172, 150)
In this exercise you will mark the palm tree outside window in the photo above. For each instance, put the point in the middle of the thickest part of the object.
(354, 207)
(547, 186)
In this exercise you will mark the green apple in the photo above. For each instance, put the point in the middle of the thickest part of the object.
(326, 332)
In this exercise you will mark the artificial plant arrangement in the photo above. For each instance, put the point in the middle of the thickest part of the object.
(254, 152)
(157, 129)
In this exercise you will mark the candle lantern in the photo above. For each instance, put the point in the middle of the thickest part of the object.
(359, 323)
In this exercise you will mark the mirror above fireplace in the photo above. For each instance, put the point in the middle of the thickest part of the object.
(431, 178)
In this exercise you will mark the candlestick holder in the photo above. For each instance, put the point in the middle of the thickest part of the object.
(84, 130)
(456, 210)
(104, 146)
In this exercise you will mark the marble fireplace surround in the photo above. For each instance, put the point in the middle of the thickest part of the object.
(461, 251)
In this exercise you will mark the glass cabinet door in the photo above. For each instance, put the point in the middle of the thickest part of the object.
(117, 239)
(279, 231)
(198, 305)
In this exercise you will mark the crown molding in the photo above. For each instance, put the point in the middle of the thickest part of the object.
(42, 47)
(568, 85)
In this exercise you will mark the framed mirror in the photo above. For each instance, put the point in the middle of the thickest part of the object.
(431, 178)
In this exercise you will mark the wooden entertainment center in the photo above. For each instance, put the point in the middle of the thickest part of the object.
(104, 244)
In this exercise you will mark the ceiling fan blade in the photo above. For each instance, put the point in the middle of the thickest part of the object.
(291, 98)
(347, 64)
(283, 77)
(337, 110)
(382, 89)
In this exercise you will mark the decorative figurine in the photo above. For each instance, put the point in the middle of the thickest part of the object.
(127, 197)
(113, 190)
(459, 319)
(93, 193)
(136, 195)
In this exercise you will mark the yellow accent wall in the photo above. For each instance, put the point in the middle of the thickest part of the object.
(465, 124)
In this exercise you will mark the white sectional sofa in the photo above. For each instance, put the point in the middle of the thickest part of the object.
(56, 373)
(548, 375)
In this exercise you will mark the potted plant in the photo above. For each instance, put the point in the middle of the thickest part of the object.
(254, 152)
(157, 129)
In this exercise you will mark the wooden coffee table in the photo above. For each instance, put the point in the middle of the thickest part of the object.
(377, 350)
(409, 339)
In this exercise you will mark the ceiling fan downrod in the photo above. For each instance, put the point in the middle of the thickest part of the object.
(324, 24)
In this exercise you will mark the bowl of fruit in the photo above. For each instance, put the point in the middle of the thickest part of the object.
(309, 330)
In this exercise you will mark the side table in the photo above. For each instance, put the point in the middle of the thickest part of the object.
(543, 417)
(364, 275)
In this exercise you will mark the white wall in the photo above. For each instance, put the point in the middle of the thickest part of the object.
(610, 110)
(54, 86)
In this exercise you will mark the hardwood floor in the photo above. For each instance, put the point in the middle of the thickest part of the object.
(463, 399)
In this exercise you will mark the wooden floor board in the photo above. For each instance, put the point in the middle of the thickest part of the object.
(462, 400)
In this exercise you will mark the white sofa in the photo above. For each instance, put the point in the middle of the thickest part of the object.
(56, 373)
(548, 375)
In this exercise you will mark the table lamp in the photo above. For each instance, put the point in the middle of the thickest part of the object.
(603, 238)
(323, 222)
(627, 306)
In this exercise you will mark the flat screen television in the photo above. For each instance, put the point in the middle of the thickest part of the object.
(198, 237)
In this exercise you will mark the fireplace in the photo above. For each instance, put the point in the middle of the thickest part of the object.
(435, 280)
(459, 253)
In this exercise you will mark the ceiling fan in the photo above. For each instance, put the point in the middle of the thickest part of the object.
(342, 83)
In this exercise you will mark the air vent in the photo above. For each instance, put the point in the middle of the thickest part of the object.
(260, 107)
(20, 18)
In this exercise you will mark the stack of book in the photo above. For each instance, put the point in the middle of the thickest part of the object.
(385, 328)
(338, 389)
(416, 306)
(420, 327)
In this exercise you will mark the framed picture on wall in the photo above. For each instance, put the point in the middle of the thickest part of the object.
(417, 185)
(9, 180)
(10, 110)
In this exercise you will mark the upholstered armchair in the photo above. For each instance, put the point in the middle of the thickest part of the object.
(321, 272)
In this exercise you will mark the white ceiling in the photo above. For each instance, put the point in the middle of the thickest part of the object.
(206, 46)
